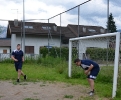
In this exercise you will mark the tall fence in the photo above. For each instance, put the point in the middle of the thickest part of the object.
(7, 56)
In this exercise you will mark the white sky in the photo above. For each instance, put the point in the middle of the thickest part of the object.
(92, 13)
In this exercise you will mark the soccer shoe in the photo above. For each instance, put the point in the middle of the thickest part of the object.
(91, 93)
(25, 77)
(18, 80)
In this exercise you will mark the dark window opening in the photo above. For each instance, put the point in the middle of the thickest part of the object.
(29, 49)
(4, 51)
(65, 41)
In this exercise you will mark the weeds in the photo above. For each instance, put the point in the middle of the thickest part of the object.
(41, 85)
(30, 99)
(1, 96)
(56, 69)
(68, 96)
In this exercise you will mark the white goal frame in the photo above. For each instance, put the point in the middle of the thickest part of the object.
(116, 60)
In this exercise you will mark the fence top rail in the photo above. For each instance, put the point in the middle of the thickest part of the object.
(70, 9)
(95, 36)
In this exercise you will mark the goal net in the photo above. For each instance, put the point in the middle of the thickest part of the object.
(103, 49)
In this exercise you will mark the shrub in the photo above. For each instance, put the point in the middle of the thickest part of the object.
(100, 54)
(7, 60)
(55, 52)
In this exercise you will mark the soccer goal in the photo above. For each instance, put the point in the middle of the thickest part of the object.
(103, 48)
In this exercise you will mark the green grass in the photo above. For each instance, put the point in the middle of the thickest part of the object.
(69, 96)
(51, 69)
(30, 99)
(1, 96)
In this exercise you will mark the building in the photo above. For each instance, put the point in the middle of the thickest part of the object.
(46, 34)
(5, 48)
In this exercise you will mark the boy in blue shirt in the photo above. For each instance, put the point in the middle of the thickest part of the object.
(91, 69)
(17, 56)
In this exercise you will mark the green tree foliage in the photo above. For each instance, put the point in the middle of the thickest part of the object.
(111, 24)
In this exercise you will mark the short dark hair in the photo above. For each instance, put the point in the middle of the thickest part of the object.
(18, 44)
(76, 60)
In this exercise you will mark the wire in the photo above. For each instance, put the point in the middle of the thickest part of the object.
(70, 9)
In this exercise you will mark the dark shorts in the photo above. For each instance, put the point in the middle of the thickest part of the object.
(94, 72)
(18, 66)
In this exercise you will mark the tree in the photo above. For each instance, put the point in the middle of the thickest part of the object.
(111, 27)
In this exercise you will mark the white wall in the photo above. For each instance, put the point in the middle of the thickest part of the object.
(13, 42)
(38, 41)
(3, 56)
(84, 44)
(4, 48)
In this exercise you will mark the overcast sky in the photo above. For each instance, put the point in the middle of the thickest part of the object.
(92, 13)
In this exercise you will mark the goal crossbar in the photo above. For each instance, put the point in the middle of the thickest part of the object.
(116, 61)
(94, 36)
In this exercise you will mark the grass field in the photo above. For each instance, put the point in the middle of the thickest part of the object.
(56, 70)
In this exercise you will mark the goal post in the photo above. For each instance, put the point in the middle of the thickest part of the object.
(86, 41)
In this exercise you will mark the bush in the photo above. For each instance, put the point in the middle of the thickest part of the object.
(50, 61)
(55, 52)
(7, 60)
(43, 51)
(100, 54)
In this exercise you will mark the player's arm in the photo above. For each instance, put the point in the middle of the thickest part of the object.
(89, 69)
(12, 56)
(23, 58)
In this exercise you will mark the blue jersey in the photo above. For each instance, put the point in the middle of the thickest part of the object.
(18, 54)
(85, 64)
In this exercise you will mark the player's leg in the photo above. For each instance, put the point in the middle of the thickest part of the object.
(19, 65)
(17, 70)
(16, 67)
(91, 83)
(91, 77)
(22, 73)
(19, 73)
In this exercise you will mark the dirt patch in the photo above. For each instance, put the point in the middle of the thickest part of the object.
(41, 91)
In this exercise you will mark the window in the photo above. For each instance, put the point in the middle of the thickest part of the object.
(102, 30)
(65, 41)
(4, 51)
(29, 49)
(46, 28)
(84, 29)
(16, 22)
(91, 30)
(28, 27)
(55, 28)
(31, 27)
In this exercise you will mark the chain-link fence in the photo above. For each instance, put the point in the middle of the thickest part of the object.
(101, 50)
(5, 57)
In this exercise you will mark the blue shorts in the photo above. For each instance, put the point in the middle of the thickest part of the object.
(18, 65)
(94, 72)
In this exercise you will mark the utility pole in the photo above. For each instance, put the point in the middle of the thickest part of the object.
(23, 27)
(48, 37)
(107, 30)
(107, 15)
